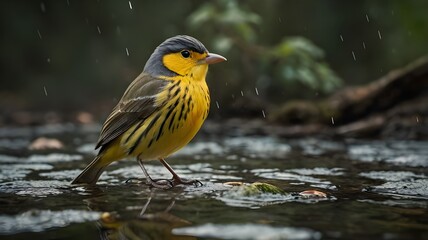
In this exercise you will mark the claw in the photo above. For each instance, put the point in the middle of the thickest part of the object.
(166, 183)
(131, 180)
(178, 181)
(198, 183)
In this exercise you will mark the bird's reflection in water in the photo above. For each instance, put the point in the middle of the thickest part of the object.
(148, 224)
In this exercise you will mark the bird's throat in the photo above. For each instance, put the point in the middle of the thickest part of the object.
(199, 72)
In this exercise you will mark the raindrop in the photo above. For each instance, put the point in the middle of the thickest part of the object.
(48, 60)
(233, 96)
(216, 103)
(332, 120)
(341, 37)
(380, 36)
(353, 55)
(257, 91)
(279, 19)
(99, 30)
(46, 92)
(364, 45)
(43, 7)
(127, 52)
(38, 33)
(263, 112)
(130, 5)
(242, 93)
(118, 30)
(68, 2)
(367, 17)
(417, 119)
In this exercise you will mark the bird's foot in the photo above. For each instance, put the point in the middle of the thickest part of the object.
(170, 183)
(160, 183)
(157, 183)
(164, 183)
(177, 181)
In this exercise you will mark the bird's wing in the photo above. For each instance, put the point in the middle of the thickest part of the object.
(137, 103)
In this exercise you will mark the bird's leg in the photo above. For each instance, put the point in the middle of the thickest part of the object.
(177, 180)
(157, 183)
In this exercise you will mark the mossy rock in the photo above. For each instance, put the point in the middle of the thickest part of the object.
(255, 189)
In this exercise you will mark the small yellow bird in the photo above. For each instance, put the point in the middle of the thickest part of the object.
(159, 113)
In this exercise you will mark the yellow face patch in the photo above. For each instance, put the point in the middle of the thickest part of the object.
(181, 65)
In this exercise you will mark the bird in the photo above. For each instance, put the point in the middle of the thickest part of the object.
(159, 113)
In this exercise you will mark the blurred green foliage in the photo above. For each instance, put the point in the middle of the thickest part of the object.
(302, 62)
(233, 20)
(293, 60)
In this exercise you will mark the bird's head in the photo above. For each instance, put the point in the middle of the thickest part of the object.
(181, 56)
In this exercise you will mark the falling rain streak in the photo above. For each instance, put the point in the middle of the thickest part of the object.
(364, 45)
(380, 36)
(42, 7)
(367, 17)
(99, 30)
(216, 103)
(127, 51)
(341, 37)
(353, 55)
(257, 91)
(130, 5)
(242, 93)
(332, 120)
(263, 112)
(38, 33)
(46, 91)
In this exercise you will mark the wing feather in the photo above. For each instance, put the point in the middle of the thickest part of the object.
(137, 104)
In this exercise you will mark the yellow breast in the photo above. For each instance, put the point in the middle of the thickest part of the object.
(185, 105)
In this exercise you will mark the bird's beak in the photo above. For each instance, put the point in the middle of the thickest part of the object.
(214, 58)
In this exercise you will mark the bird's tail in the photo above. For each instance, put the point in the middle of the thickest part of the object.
(92, 172)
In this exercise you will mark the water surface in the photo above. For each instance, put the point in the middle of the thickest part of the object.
(375, 189)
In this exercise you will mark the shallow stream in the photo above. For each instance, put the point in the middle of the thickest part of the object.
(375, 189)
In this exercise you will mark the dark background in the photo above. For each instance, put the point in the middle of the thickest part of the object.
(70, 56)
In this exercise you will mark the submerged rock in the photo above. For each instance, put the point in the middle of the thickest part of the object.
(43, 143)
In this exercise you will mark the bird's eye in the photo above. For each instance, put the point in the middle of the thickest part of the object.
(185, 54)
